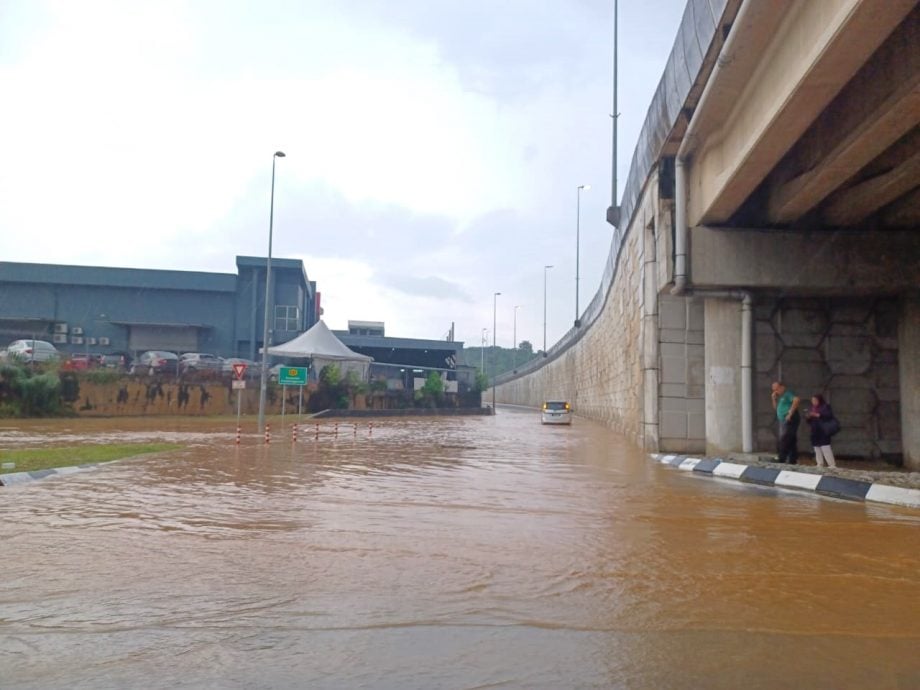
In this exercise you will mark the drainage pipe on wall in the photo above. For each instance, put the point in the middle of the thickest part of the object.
(681, 234)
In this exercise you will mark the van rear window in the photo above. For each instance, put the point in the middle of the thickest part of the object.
(555, 406)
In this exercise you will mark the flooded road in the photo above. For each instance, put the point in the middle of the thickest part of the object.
(442, 553)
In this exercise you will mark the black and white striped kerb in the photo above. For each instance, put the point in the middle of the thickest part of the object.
(828, 485)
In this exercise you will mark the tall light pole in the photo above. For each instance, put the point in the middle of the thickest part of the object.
(577, 242)
(545, 269)
(263, 388)
(613, 213)
(494, 324)
(514, 341)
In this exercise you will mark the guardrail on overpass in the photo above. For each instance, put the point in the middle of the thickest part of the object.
(692, 56)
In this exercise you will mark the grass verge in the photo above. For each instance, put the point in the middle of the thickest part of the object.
(31, 459)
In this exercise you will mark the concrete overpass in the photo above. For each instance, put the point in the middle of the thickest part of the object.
(769, 230)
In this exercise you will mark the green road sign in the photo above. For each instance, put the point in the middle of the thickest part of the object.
(292, 376)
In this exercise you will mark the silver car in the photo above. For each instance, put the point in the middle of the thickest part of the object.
(199, 361)
(32, 351)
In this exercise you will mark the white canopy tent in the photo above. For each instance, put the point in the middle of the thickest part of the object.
(321, 345)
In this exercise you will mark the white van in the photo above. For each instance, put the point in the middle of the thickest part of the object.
(556, 412)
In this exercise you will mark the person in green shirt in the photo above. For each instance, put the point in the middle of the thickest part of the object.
(786, 404)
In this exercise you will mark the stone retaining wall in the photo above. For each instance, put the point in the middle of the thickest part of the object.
(132, 397)
(601, 371)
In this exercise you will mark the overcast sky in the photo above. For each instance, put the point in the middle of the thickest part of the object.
(433, 147)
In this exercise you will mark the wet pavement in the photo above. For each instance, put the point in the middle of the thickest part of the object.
(485, 552)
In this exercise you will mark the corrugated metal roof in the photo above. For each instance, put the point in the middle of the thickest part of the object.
(161, 324)
(398, 343)
(138, 278)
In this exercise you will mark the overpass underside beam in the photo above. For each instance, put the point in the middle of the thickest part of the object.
(811, 50)
(805, 263)
(878, 108)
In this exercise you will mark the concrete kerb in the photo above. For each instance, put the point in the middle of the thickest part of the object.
(16, 478)
(821, 484)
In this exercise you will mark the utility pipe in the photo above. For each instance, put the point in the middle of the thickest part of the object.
(680, 226)
(747, 387)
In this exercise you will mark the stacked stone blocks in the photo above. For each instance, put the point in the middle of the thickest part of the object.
(845, 349)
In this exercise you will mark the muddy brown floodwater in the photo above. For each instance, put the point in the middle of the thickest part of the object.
(441, 553)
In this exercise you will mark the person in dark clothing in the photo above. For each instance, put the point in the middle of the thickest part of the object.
(820, 412)
(786, 404)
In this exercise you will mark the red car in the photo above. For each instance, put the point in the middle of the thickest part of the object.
(81, 362)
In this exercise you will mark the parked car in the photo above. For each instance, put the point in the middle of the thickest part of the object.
(32, 351)
(191, 362)
(156, 362)
(253, 369)
(273, 372)
(81, 361)
(117, 360)
(556, 412)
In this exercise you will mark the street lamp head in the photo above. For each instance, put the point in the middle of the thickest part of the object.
(586, 187)
(545, 267)
(279, 154)
(497, 294)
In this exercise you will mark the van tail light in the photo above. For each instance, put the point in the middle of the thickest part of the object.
(544, 406)
(567, 406)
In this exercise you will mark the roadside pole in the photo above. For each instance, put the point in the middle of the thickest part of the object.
(240, 385)
(283, 396)
(239, 410)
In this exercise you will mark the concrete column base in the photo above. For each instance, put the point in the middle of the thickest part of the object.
(722, 318)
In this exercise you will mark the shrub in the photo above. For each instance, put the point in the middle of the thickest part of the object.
(432, 390)
(101, 376)
(27, 391)
(40, 395)
(331, 391)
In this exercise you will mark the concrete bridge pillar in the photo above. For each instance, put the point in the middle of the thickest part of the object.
(909, 359)
(722, 319)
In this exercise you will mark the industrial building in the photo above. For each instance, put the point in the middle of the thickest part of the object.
(404, 362)
(107, 310)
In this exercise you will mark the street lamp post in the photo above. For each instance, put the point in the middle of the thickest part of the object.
(514, 341)
(545, 269)
(494, 325)
(577, 242)
(263, 388)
